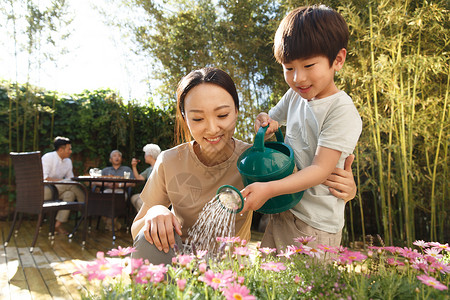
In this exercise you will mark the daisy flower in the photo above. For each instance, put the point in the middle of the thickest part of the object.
(238, 292)
(440, 246)
(181, 284)
(348, 257)
(121, 251)
(242, 251)
(217, 280)
(273, 266)
(430, 281)
(267, 250)
(421, 244)
(304, 239)
(326, 248)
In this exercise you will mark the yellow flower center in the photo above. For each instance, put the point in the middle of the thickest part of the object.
(237, 296)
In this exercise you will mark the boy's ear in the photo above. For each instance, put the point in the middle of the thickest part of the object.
(340, 59)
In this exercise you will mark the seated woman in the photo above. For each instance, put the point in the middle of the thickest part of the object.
(151, 154)
(188, 176)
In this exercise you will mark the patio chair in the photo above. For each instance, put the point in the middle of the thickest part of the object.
(30, 195)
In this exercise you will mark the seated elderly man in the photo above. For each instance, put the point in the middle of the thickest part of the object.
(151, 153)
(116, 169)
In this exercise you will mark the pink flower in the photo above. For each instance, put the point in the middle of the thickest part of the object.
(433, 252)
(273, 266)
(181, 284)
(394, 262)
(297, 279)
(420, 264)
(315, 252)
(241, 279)
(121, 251)
(237, 292)
(243, 242)
(299, 249)
(151, 273)
(421, 244)
(287, 254)
(441, 267)
(136, 263)
(183, 260)
(201, 253)
(409, 253)
(348, 257)
(267, 250)
(430, 281)
(326, 248)
(202, 267)
(242, 251)
(304, 239)
(439, 245)
(100, 268)
(217, 280)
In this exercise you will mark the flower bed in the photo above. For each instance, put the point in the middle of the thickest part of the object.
(299, 272)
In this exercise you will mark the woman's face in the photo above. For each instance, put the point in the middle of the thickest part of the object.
(211, 117)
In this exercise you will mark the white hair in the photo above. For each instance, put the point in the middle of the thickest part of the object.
(152, 149)
(114, 151)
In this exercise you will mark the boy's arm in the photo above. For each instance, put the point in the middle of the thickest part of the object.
(325, 160)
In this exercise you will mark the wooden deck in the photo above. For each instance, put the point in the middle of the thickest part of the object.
(47, 272)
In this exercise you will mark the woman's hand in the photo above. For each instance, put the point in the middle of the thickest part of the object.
(341, 182)
(159, 226)
(134, 162)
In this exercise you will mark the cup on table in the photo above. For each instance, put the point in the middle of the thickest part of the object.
(126, 175)
(95, 172)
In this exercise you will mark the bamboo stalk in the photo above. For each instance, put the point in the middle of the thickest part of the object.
(361, 208)
(433, 234)
(377, 131)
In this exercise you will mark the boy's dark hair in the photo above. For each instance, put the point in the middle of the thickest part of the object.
(310, 31)
(60, 141)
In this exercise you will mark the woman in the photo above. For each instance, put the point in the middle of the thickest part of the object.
(151, 154)
(188, 176)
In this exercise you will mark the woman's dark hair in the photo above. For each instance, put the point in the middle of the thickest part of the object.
(310, 31)
(60, 141)
(205, 75)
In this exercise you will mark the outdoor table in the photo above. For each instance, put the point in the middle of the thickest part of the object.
(108, 204)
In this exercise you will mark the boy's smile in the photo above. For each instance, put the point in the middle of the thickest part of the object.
(313, 78)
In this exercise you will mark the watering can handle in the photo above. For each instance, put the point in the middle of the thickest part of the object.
(258, 145)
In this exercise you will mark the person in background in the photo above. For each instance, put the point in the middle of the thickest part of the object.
(57, 166)
(151, 153)
(116, 169)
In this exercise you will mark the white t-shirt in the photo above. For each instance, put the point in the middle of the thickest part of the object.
(55, 167)
(332, 122)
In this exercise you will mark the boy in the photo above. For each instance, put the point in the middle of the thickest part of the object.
(322, 127)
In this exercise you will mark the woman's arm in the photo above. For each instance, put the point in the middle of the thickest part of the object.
(341, 181)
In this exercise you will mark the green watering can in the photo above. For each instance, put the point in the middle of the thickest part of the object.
(267, 161)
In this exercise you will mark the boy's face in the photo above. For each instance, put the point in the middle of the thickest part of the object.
(313, 78)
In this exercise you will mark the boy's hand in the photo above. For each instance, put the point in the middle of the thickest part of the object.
(255, 195)
(262, 120)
